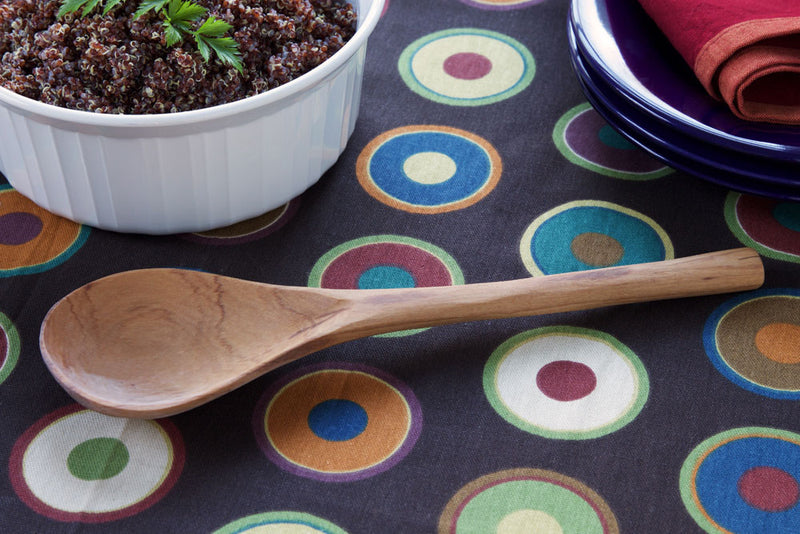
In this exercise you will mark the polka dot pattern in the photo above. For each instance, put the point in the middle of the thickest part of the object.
(527, 500)
(428, 169)
(744, 480)
(583, 235)
(565, 382)
(75, 465)
(466, 67)
(752, 340)
(33, 240)
(337, 422)
(585, 139)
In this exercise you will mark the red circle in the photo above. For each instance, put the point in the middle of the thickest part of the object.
(769, 489)
(426, 269)
(467, 66)
(565, 380)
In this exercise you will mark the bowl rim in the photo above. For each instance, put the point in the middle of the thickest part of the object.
(366, 23)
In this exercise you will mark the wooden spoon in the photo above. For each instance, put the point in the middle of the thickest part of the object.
(155, 342)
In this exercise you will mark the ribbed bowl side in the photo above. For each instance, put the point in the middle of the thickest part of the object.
(198, 178)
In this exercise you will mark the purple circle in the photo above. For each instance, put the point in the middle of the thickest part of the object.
(583, 136)
(467, 66)
(19, 227)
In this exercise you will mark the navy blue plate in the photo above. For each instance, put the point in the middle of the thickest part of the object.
(626, 49)
(716, 164)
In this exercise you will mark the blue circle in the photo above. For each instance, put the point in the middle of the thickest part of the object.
(788, 215)
(551, 242)
(337, 420)
(473, 168)
(717, 478)
(710, 342)
(385, 277)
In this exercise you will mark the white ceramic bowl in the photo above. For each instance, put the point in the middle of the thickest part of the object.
(188, 171)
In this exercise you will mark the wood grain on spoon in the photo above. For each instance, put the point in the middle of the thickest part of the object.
(155, 342)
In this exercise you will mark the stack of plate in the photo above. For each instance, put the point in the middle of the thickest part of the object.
(643, 88)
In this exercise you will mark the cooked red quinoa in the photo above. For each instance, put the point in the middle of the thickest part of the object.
(118, 64)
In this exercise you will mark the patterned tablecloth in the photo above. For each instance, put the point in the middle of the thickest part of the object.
(475, 158)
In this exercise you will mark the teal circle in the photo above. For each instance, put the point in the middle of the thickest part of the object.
(550, 244)
(609, 136)
(385, 277)
(788, 215)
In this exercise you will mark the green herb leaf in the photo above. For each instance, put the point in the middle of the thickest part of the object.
(149, 5)
(202, 47)
(90, 5)
(70, 6)
(111, 4)
(213, 27)
(172, 34)
(227, 50)
(184, 11)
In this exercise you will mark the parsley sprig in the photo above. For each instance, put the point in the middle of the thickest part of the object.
(180, 19)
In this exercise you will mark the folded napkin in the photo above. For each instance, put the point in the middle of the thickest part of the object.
(745, 52)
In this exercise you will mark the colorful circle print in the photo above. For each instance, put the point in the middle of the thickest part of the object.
(337, 422)
(79, 465)
(584, 138)
(428, 169)
(590, 234)
(501, 5)
(385, 261)
(745, 480)
(527, 500)
(32, 239)
(9, 347)
(249, 230)
(772, 227)
(466, 67)
(753, 340)
(566, 382)
(280, 523)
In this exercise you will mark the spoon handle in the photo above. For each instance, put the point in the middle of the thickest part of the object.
(384, 310)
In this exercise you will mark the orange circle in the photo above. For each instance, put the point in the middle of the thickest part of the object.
(56, 236)
(286, 421)
(779, 342)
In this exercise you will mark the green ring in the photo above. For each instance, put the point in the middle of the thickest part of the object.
(499, 355)
(406, 57)
(558, 138)
(315, 278)
(14, 346)
(276, 518)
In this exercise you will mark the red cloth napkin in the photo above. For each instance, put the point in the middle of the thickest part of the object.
(745, 52)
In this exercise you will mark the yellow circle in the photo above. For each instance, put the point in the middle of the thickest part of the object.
(429, 167)
(529, 522)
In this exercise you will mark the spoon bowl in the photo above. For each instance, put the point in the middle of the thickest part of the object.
(155, 342)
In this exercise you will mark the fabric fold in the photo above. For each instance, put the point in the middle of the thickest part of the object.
(744, 52)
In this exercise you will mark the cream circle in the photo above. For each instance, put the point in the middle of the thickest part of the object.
(283, 528)
(435, 53)
(429, 168)
(45, 463)
(612, 397)
(529, 522)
